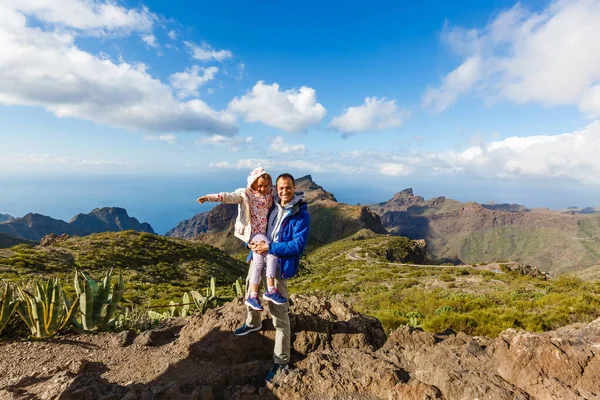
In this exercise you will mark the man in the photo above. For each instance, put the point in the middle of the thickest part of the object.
(288, 223)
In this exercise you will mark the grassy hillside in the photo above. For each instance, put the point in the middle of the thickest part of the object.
(468, 299)
(156, 268)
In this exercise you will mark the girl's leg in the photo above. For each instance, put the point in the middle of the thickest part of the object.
(272, 263)
(256, 267)
(273, 294)
(258, 263)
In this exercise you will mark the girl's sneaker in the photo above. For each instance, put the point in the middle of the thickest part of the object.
(254, 303)
(275, 297)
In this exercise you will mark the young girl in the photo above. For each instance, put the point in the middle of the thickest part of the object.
(254, 203)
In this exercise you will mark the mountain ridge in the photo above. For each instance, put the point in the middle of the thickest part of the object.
(473, 232)
(33, 226)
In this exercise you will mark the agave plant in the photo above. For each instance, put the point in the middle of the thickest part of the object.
(185, 307)
(202, 302)
(239, 287)
(48, 311)
(8, 305)
(97, 301)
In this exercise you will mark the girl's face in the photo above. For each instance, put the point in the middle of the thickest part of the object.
(262, 186)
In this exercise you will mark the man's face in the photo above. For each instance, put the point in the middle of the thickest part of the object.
(285, 190)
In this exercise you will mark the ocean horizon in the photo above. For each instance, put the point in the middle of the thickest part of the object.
(164, 201)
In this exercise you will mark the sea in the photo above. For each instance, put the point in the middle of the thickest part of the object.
(164, 201)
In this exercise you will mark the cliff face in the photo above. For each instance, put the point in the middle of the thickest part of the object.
(36, 226)
(472, 232)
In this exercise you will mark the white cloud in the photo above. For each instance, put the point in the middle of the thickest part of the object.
(171, 139)
(548, 57)
(48, 159)
(374, 114)
(94, 16)
(224, 140)
(302, 165)
(280, 147)
(150, 40)
(393, 169)
(187, 83)
(248, 163)
(291, 110)
(235, 143)
(457, 82)
(172, 35)
(571, 156)
(207, 53)
(46, 68)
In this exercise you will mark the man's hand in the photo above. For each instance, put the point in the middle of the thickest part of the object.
(202, 199)
(260, 248)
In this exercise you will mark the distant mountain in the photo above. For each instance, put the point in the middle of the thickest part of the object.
(107, 219)
(472, 232)
(5, 217)
(36, 226)
(577, 210)
(9, 241)
(330, 220)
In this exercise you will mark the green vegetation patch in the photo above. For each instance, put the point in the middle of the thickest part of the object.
(156, 268)
(436, 298)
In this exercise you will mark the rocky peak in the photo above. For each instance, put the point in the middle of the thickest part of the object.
(401, 201)
(111, 219)
(312, 191)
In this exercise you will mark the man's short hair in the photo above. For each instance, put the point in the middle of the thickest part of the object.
(285, 175)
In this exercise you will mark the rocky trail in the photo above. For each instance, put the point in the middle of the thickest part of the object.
(337, 354)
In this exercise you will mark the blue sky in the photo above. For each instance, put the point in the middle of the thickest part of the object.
(464, 96)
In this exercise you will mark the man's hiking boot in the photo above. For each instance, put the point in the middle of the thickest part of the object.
(274, 369)
(254, 303)
(246, 329)
(275, 297)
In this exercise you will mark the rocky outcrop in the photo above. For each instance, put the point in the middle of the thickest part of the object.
(337, 354)
(312, 191)
(51, 239)
(107, 219)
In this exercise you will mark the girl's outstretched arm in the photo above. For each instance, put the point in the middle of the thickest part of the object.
(236, 197)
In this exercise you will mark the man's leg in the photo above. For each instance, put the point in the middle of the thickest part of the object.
(281, 322)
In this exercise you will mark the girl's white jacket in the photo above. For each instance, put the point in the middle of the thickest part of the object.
(241, 197)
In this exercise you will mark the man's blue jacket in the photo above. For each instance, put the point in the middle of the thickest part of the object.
(291, 239)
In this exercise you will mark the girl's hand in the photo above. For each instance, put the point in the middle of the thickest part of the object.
(202, 199)
(260, 248)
